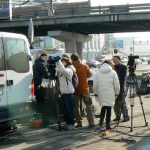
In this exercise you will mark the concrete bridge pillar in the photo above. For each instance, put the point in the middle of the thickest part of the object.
(70, 47)
(79, 48)
(73, 41)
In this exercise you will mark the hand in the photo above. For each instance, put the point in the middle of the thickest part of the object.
(116, 96)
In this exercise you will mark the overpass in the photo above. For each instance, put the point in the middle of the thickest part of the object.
(95, 20)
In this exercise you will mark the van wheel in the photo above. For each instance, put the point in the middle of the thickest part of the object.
(9, 125)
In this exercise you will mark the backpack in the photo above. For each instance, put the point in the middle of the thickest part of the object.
(75, 80)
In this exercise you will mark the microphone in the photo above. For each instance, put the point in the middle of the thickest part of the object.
(115, 51)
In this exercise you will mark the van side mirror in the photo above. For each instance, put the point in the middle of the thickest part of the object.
(30, 58)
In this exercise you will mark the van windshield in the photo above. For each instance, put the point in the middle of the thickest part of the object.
(17, 55)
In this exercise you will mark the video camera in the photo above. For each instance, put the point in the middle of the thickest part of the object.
(131, 62)
(52, 66)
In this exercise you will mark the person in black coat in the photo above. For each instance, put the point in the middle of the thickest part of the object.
(40, 71)
(120, 104)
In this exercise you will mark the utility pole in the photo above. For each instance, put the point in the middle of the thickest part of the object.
(87, 51)
(133, 46)
(89, 1)
(50, 10)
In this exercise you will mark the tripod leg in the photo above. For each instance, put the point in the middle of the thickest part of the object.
(131, 128)
(57, 105)
(146, 123)
(137, 91)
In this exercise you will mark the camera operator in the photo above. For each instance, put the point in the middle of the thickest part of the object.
(65, 73)
(120, 104)
(40, 71)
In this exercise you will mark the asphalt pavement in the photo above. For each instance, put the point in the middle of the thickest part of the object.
(120, 137)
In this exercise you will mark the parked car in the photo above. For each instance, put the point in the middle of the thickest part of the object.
(124, 60)
(145, 83)
(138, 61)
(144, 59)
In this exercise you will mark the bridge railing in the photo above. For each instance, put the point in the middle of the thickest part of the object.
(40, 11)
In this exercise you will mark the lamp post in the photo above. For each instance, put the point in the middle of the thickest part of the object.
(133, 46)
(89, 1)
(50, 10)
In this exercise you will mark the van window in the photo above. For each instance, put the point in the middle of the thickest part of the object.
(17, 55)
(1, 56)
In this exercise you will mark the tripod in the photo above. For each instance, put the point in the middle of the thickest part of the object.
(54, 86)
(132, 86)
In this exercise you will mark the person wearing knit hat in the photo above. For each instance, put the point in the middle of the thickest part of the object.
(120, 104)
(65, 73)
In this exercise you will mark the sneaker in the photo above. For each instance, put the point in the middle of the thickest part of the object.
(70, 127)
(125, 120)
(108, 128)
(116, 119)
(78, 126)
(91, 125)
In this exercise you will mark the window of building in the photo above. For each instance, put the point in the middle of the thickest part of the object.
(1, 56)
(16, 55)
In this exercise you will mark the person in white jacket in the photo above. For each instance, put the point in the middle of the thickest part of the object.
(106, 87)
(65, 72)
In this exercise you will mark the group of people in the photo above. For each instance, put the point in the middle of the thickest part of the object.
(108, 86)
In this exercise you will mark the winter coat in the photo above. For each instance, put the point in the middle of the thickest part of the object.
(106, 85)
(83, 72)
(40, 71)
(65, 78)
(122, 73)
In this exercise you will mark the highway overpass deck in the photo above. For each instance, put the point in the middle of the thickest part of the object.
(119, 20)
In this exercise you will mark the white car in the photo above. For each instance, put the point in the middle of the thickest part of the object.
(138, 61)
(124, 60)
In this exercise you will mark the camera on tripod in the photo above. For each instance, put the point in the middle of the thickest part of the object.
(131, 63)
(52, 66)
(131, 60)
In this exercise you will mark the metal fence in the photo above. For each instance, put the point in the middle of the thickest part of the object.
(43, 11)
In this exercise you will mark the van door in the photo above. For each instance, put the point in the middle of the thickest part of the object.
(3, 91)
(18, 72)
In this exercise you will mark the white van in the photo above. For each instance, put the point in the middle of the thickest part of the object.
(15, 76)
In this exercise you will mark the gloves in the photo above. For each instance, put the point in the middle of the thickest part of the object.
(57, 58)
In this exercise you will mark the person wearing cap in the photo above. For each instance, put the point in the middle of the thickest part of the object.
(120, 104)
(82, 91)
(65, 72)
(40, 71)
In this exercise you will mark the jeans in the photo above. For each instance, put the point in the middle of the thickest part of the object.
(120, 107)
(68, 108)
